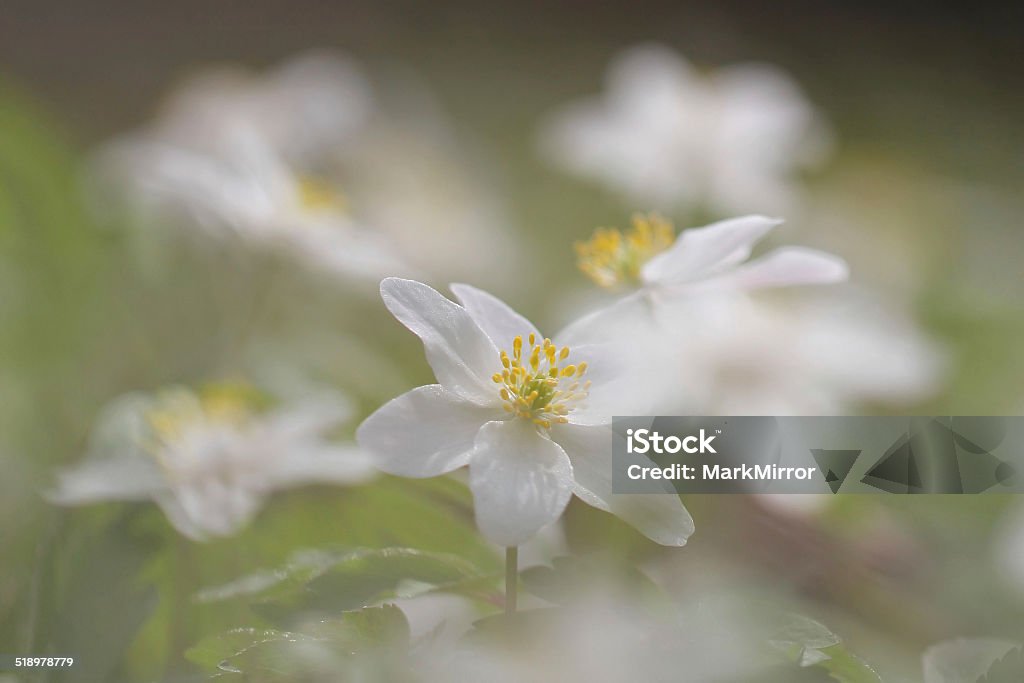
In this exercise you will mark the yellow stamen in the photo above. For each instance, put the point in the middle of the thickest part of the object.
(315, 194)
(226, 403)
(612, 257)
(535, 390)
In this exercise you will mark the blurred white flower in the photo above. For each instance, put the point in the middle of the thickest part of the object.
(313, 101)
(309, 155)
(247, 192)
(703, 343)
(209, 459)
(731, 354)
(515, 408)
(649, 257)
(606, 637)
(660, 271)
(669, 137)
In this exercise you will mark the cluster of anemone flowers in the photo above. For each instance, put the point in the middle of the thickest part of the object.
(303, 162)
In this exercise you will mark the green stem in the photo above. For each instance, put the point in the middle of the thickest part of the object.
(511, 578)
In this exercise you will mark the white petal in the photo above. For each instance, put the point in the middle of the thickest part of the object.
(314, 100)
(659, 516)
(606, 370)
(342, 248)
(501, 323)
(423, 433)
(100, 479)
(461, 354)
(650, 68)
(521, 481)
(321, 465)
(787, 266)
(609, 322)
(180, 518)
(702, 252)
(121, 427)
(213, 507)
(310, 416)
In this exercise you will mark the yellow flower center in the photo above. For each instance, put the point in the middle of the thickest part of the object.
(227, 403)
(540, 385)
(317, 195)
(612, 257)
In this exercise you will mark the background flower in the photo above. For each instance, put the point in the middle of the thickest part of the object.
(667, 136)
(360, 178)
(209, 459)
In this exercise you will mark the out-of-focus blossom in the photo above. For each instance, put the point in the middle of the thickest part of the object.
(310, 155)
(659, 271)
(312, 102)
(209, 459)
(734, 354)
(665, 135)
(714, 257)
(516, 408)
(608, 638)
(706, 344)
(246, 191)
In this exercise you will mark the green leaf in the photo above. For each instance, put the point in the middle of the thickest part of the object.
(847, 667)
(346, 579)
(803, 633)
(321, 646)
(809, 643)
(216, 651)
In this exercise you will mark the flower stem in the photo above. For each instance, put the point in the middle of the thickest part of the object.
(511, 578)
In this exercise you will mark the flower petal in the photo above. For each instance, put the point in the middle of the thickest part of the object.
(212, 507)
(114, 478)
(496, 318)
(342, 248)
(659, 516)
(521, 481)
(423, 433)
(702, 252)
(607, 371)
(461, 354)
(787, 266)
(322, 465)
(310, 415)
(609, 322)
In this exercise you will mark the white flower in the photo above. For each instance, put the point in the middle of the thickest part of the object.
(529, 418)
(734, 355)
(315, 100)
(668, 137)
(308, 156)
(209, 459)
(703, 344)
(664, 269)
(247, 192)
